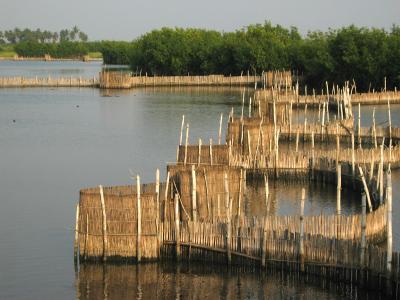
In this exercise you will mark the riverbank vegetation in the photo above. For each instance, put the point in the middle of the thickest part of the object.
(366, 55)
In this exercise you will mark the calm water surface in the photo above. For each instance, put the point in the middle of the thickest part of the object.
(55, 141)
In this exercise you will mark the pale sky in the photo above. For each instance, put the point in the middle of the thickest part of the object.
(128, 19)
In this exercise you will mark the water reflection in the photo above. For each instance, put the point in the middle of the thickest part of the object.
(197, 281)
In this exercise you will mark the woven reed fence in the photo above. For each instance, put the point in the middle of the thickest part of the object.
(118, 239)
(289, 96)
(125, 80)
(210, 192)
(204, 154)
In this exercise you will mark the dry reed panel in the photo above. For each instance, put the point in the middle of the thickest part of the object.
(208, 80)
(209, 188)
(220, 154)
(121, 218)
(112, 80)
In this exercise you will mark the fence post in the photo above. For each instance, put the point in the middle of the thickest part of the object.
(228, 222)
(389, 230)
(363, 229)
(103, 208)
(76, 241)
(220, 130)
(177, 229)
(301, 241)
(194, 200)
(158, 210)
(186, 143)
(339, 188)
(139, 220)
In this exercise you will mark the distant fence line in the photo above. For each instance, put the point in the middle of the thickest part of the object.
(20, 81)
(124, 80)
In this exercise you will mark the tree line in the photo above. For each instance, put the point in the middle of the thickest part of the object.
(18, 35)
(366, 55)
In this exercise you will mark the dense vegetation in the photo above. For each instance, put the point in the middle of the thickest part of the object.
(366, 55)
(17, 35)
(363, 54)
(58, 50)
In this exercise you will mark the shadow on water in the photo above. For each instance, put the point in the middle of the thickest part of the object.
(168, 280)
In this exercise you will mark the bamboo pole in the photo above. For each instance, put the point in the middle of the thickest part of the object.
(228, 224)
(353, 157)
(199, 154)
(365, 188)
(103, 209)
(266, 189)
(220, 130)
(390, 120)
(183, 123)
(359, 126)
(194, 200)
(177, 229)
(166, 197)
(186, 143)
(363, 230)
(381, 188)
(211, 153)
(264, 244)
(86, 237)
(389, 235)
(158, 210)
(374, 128)
(339, 189)
(139, 220)
(207, 198)
(301, 240)
(250, 108)
(76, 240)
(240, 192)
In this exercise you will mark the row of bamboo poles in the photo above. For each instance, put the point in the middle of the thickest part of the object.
(48, 82)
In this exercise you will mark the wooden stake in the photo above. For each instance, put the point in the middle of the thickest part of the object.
(211, 154)
(76, 240)
(353, 157)
(103, 209)
(365, 188)
(186, 143)
(359, 126)
(220, 130)
(158, 209)
(240, 192)
(389, 222)
(363, 230)
(374, 128)
(339, 189)
(199, 154)
(194, 200)
(264, 244)
(183, 123)
(266, 190)
(166, 197)
(301, 240)
(381, 174)
(139, 220)
(228, 224)
(207, 199)
(250, 108)
(177, 229)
